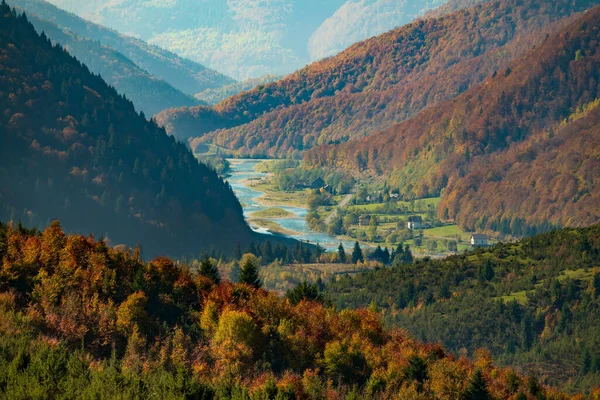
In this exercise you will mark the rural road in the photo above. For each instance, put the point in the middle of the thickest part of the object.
(342, 204)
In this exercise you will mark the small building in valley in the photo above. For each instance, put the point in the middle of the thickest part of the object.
(317, 183)
(479, 240)
(415, 222)
(364, 220)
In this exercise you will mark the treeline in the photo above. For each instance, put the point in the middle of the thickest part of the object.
(72, 147)
(81, 320)
(534, 304)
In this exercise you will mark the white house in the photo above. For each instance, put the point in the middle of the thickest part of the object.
(415, 222)
(478, 240)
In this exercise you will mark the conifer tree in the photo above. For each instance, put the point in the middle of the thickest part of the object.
(477, 389)
(267, 253)
(249, 271)
(342, 253)
(357, 254)
(209, 270)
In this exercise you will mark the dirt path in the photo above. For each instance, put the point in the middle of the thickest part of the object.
(342, 204)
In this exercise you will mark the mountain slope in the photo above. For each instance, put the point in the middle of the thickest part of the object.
(187, 76)
(553, 177)
(379, 82)
(72, 148)
(534, 304)
(148, 93)
(421, 155)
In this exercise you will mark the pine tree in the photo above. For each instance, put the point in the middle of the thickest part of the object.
(267, 253)
(477, 389)
(342, 253)
(407, 257)
(318, 252)
(304, 291)
(357, 254)
(249, 271)
(209, 270)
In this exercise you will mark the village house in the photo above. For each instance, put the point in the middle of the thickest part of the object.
(415, 222)
(317, 183)
(478, 240)
(364, 220)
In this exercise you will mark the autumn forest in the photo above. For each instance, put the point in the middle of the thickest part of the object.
(414, 217)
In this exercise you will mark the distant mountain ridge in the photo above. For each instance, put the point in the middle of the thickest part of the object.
(72, 148)
(246, 38)
(148, 93)
(187, 76)
(376, 83)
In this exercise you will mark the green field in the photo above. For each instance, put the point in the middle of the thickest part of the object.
(448, 231)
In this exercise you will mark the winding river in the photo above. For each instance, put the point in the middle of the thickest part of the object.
(242, 172)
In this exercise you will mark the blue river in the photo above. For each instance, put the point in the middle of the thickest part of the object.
(242, 172)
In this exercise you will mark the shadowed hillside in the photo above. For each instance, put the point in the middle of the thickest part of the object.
(72, 148)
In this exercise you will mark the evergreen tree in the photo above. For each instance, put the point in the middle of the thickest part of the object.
(318, 252)
(477, 389)
(249, 271)
(357, 254)
(342, 253)
(267, 253)
(209, 270)
(407, 257)
(304, 291)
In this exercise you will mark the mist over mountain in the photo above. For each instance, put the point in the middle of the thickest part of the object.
(249, 39)
(182, 74)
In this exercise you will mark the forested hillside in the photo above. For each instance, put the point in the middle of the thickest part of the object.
(80, 320)
(534, 304)
(72, 148)
(527, 100)
(148, 93)
(186, 76)
(379, 82)
(551, 178)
